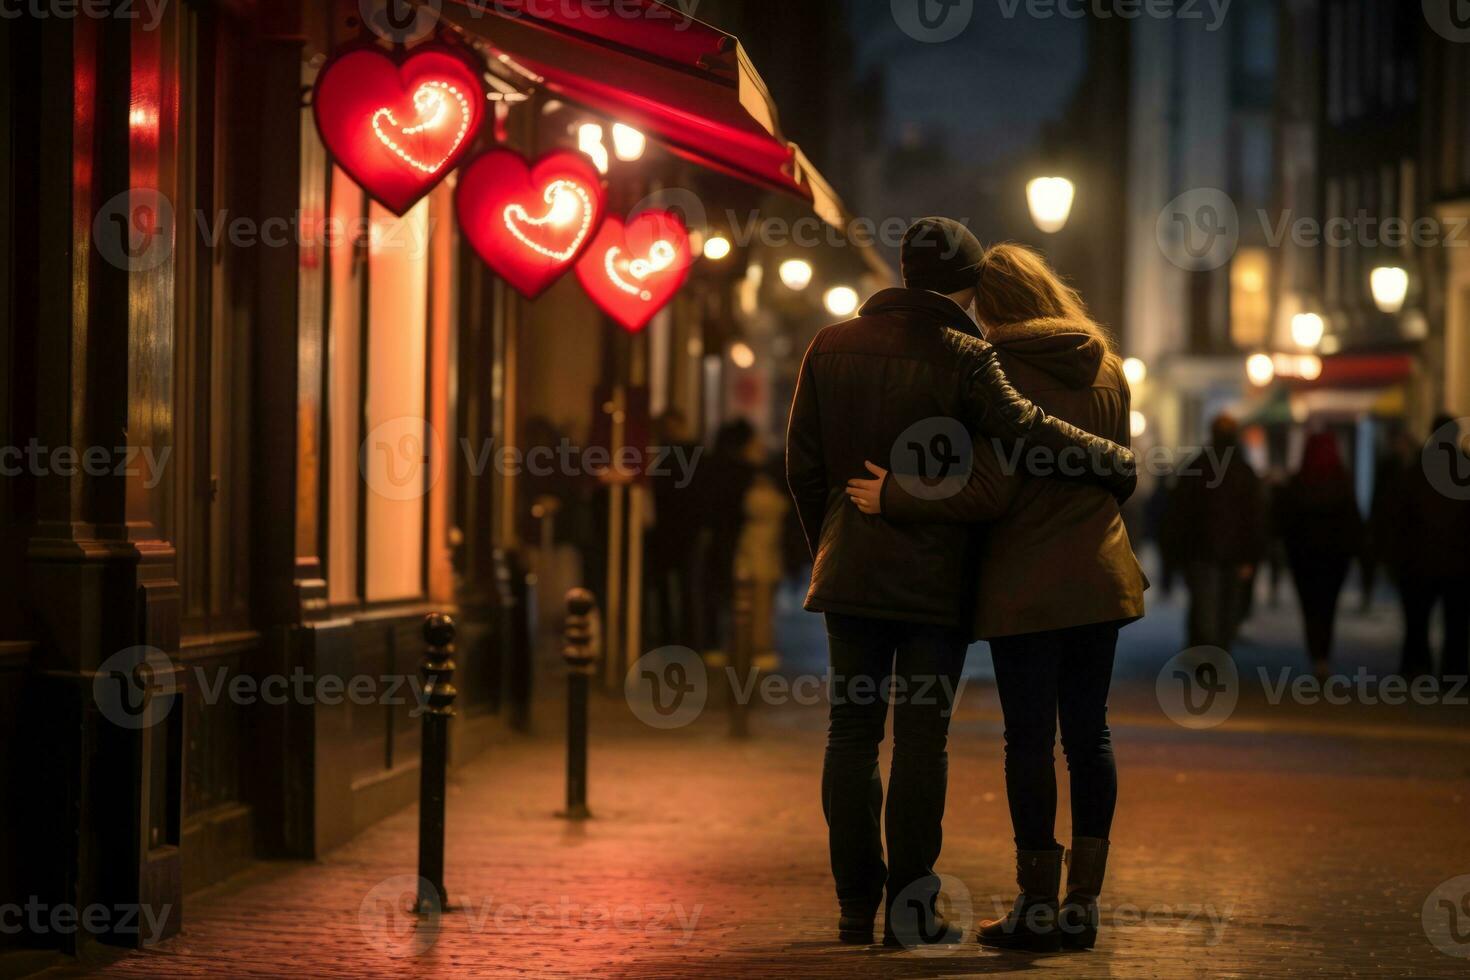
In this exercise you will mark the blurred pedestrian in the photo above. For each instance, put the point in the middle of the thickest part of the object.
(1432, 553)
(1217, 519)
(675, 512)
(1379, 550)
(762, 552)
(720, 485)
(1318, 521)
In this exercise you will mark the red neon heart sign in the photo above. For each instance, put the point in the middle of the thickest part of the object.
(529, 223)
(397, 127)
(632, 270)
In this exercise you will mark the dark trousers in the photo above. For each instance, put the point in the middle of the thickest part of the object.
(1420, 595)
(1041, 676)
(917, 669)
(1219, 600)
(1318, 587)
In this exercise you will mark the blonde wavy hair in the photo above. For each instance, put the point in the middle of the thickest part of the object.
(1017, 286)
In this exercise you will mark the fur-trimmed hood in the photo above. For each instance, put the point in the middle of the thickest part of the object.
(1071, 351)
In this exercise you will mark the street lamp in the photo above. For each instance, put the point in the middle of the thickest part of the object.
(841, 301)
(1390, 287)
(716, 248)
(1260, 369)
(796, 274)
(1137, 423)
(1051, 202)
(742, 356)
(1135, 371)
(1307, 330)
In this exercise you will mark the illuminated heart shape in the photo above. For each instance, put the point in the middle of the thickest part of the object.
(529, 223)
(632, 270)
(398, 127)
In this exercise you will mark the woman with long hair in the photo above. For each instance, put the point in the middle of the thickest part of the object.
(1318, 520)
(1057, 579)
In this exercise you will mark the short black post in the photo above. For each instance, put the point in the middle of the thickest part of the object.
(580, 655)
(439, 692)
(742, 653)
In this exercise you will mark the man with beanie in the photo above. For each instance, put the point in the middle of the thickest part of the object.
(909, 380)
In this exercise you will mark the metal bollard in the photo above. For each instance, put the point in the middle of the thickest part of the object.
(438, 671)
(742, 653)
(580, 654)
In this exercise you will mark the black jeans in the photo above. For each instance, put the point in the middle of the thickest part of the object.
(1420, 596)
(1041, 675)
(917, 669)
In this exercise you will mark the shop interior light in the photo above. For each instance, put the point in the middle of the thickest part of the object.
(1137, 423)
(589, 141)
(628, 143)
(742, 356)
(716, 248)
(1260, 369)
(1135, 371)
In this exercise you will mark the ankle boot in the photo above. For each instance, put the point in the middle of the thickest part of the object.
(856, 930)
(1032, 922)
(1087, 862)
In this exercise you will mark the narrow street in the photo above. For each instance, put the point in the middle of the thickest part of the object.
(1279, 842)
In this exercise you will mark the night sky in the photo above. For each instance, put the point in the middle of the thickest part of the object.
(979, 99)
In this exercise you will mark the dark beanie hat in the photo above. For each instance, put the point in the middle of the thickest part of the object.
(940, 255)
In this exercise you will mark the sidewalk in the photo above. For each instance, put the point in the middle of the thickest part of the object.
(1235, 854)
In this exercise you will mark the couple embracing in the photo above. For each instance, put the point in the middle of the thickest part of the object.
(909, 571)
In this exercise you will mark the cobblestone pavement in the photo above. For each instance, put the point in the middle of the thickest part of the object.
(1299, 837)
(1237, 853)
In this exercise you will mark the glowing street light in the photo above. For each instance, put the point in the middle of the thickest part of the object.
(628, 143)
(1137, 423)
(742, 356)
(1051, 202)
(796, 274)
(1307, 330)
(1390, 287)
(841, 301)
(1135, 371)
(1260, 369)
(589, 141)
(717, 247)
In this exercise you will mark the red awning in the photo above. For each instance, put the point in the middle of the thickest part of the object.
(1363, 371)
(680, 81)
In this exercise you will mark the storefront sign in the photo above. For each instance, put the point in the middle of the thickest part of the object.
(529, 223)
(397, 126)
(632, 270)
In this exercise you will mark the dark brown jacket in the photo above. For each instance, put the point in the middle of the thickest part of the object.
(1054, 553)
(870, 386)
